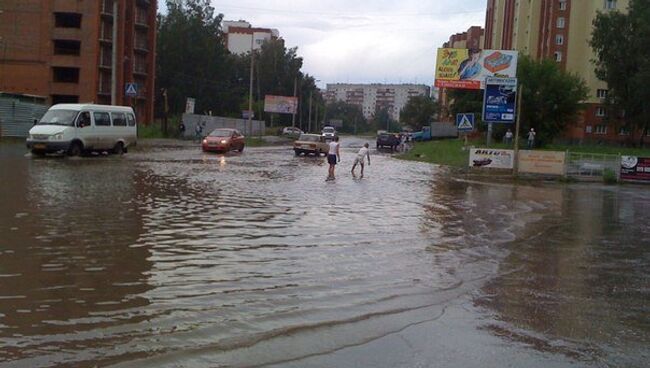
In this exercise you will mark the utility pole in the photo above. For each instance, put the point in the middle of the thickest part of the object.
(515, 164)
(114, 57)
(295, 87)
(250, 90)
(309, 115)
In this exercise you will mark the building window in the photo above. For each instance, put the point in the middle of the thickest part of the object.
(65, 75)
(610, 4)
(558, 56)
(60, 99)
(601, 93)
(67, 47)
(623, 131)
(67, 20)
(588, 129)
(600, 129)
(559, 40)
(560, 22)
(562, 4)
(601, 111)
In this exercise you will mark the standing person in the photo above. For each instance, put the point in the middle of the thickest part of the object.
(198, 130)
(508, 137)
(181, 129)
(333, 156)
(361, 157)
(531, 138)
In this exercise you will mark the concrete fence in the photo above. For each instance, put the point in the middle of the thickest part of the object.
(209, 123)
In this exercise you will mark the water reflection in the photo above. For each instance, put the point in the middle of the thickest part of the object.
(580, 285)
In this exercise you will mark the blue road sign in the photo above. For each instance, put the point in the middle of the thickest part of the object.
(499, 100)
(465, 122)
(131, 90)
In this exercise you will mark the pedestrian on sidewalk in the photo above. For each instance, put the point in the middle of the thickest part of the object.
(508, 137)
(333, 156)
(198, 131)
(361, 157)
(531, 138)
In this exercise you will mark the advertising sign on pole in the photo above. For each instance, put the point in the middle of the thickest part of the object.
(245, 114)
(635, 168)
(336, 123)
(499, 100)
(189, 105)
(280, 104)
(491, 158)
(468, 68)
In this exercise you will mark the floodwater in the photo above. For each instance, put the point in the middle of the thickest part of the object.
(168, 257)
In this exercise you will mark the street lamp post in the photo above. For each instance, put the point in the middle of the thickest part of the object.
(250, 90)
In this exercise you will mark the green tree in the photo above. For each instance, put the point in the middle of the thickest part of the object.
(384, 121)
(466, 101)
(551, 99)
(191, 59)
(621, 43)
(351, 115)
(419, 111)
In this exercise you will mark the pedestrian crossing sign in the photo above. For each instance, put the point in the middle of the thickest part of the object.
(131, 90)
(465, 122)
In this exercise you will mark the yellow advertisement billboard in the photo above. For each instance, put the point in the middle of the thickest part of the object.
(468, 68)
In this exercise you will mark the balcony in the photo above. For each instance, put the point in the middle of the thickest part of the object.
(141, 18)
(141, 69)
(107, 8)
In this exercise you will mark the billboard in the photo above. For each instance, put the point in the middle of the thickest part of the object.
(189, 105)
(280, 104)
(499, 100)
(491, 158)
(542, 162)
(635, 168)
(468, 68)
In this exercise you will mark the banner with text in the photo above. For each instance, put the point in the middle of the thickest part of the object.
(491, 158)
(468, 68)
(542, 162)
(635, 168)
(500, 100)
(280, 104)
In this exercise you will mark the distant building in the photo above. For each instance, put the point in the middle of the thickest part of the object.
(559, 30)
(373, 97)
(62, 50)
(239, 34)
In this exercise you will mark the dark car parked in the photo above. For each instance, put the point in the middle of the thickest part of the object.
(389, 140)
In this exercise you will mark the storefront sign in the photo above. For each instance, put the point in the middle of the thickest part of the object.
(491, 158)
(635, 168)
(542, 162)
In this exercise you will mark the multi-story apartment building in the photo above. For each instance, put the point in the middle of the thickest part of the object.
(239, 34)
(558, 30)
(62, 50)
(373, 97)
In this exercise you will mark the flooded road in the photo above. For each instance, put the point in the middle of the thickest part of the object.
(168, 257)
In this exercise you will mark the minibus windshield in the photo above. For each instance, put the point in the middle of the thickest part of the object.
(59, 117)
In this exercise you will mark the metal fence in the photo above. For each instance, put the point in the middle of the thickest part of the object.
(17, 117)
(209, 123)
(592, 166)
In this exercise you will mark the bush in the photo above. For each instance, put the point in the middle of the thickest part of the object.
(609, 176)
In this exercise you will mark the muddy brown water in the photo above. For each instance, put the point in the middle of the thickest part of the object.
(172, 257)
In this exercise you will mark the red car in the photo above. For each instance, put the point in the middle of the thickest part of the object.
(223, 140)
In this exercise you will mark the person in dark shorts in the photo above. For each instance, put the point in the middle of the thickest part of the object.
(333, 157)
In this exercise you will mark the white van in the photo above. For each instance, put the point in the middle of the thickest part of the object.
(78, 128)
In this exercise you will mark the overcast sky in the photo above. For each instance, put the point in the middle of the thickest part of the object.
(381, 41)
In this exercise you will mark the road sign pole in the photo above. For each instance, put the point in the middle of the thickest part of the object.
(515, 164)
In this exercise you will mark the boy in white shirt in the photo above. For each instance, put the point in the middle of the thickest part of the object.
(361, 157)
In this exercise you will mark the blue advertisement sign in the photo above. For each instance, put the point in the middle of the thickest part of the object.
(500, 100)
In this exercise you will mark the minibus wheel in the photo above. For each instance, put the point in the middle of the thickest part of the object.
(119, 148)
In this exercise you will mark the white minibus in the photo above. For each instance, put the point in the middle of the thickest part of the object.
(79, 128)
